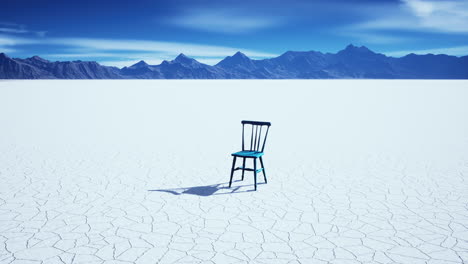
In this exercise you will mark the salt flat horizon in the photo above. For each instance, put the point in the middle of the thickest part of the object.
(135, 171)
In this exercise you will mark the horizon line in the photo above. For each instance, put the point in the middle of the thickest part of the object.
(239, 52)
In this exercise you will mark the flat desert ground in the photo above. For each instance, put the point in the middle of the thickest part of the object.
(135, 171)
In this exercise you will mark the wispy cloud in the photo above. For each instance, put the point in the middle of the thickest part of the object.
(449, 16)
(210, 61)
(373, 37)
(13, 28)
(79, 55)
(9, 44)
(110, 58)
(162, 47)
(40, 33)
(455, 51)
(6, 50)
(394, 24)
(224, 21)
(121, 60)
(124, 52)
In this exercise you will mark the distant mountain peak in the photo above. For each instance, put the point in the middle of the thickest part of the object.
(185, 61)
(351, 62)
(352, 48)
(38, 59)
(182, 58)
(239, 55)
(238, 58)
(140, 64)
(289, 54)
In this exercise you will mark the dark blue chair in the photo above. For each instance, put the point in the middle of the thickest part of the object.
(254, 151)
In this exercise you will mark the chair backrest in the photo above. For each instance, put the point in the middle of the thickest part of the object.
(255, 143)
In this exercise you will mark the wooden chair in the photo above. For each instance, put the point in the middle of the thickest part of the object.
(254, 151)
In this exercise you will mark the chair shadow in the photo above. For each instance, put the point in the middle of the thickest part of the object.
(207, 190)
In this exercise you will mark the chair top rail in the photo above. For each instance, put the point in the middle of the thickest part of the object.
(259, 123)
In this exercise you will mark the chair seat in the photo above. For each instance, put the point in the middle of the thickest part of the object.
(248, 154)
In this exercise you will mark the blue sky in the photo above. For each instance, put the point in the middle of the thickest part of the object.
(120, 33)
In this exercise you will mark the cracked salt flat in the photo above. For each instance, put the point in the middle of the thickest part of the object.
(136, 172)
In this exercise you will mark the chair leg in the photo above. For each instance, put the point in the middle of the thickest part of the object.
(255, 173)
(243, 169)
(263, 169)
(232, 170)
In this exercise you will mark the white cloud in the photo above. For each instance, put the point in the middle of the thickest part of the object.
(7, 40)
(121, 60)
(126, 52)
(421, 8)
(374, 38)
(224, 21)
(13, 28)
(111, 59)
(115, 46)
(449, 16)
(455, 51)
(78, 55)
(164, 48)
(41, 33)
(6, 50)
(210, 61)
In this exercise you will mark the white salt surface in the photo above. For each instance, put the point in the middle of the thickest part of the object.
(359, 171)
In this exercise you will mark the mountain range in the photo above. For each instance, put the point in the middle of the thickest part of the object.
(349, 63)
